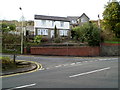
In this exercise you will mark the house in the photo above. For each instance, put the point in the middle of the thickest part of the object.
(73, 20)
(83, 19)
(78, 20)
(45, 25)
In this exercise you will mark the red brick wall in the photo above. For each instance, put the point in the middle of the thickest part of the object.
(64, 51)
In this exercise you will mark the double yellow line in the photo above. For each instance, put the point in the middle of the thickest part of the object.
(39, 66)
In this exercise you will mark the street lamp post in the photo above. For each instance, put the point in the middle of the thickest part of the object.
(100, 32)
(21, 32)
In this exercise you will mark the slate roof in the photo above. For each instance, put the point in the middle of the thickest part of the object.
(55, 18)
(73, 17)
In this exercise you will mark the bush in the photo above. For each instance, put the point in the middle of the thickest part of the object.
(44, 40)
(57, 40)
(37, 39)
(88, 32)
(7, 63)
(11, 38)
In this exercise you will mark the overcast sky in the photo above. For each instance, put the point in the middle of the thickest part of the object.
(9, 9)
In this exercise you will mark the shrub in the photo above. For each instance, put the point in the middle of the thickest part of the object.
(7, 63)
(88, 32)
(11, 38)
(44, 40)
(37, 39)
(57, 40)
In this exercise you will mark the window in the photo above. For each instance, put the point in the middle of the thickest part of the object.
(62, 24)
(42, 32)
(83, 20)
(43, 22)
(73, 21)
(63, 32)
(52, 23)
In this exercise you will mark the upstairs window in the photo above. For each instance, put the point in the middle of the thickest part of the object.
(62, 24)
(52, 23)
(83, 20)
(43, 22)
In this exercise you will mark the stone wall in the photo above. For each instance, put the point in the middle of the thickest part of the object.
(108, 49)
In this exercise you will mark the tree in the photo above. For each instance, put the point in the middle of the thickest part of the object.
(88, 32)
(7, 27)
(55, 32)
(111, 17)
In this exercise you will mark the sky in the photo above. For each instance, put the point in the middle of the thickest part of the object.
(9, 9)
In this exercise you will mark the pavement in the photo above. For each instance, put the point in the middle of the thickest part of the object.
(31, 66)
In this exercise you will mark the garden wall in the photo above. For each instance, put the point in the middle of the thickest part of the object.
(66, 51)
(106, 49)
(109, 49)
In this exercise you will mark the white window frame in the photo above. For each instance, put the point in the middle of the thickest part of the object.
(43, 22)
(52, 23)
(63, 32)
(62, 24)
(42, 32)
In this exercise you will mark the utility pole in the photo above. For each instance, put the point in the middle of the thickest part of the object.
(21, 31)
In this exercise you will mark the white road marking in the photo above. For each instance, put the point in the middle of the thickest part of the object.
(72, 64)
(22, 86)
(78, 62)
(42, 69)
(89, 72)
(58, 66)
(103, 59)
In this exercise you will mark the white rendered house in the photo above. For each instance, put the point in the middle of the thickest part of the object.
(44, 25)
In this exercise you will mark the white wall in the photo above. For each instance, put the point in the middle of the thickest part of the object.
(48, 24)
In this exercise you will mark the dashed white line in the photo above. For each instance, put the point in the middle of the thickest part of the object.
(23, 86)
(72, 64)
(103, 59)
(58, 66)
(78, 62)
(89, 72)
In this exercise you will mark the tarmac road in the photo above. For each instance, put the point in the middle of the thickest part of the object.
(67, 72)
